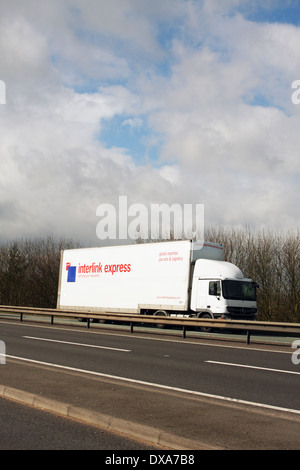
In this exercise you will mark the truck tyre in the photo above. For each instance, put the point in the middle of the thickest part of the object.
(205, 329)
(161, 313)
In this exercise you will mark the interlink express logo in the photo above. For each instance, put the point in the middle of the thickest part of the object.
(95, 270)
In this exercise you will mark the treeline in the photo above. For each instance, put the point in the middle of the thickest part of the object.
(271, 259)
(29, 269)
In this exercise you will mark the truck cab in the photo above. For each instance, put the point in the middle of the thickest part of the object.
(219, 290)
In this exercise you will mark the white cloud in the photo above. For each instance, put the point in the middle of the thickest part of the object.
(212, 89)
(242, 154)
(133, 123)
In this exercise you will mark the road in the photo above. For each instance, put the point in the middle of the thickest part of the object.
(201, 390)
(26, 428)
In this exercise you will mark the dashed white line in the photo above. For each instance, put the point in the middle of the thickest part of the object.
(254, 367)
(77, 344)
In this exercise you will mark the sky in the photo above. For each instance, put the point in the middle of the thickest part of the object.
(164, 102)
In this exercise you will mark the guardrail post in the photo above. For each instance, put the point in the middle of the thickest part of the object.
(52, 319)
(183, 332)
(21, 316)
(248, 337)
(131, 327)
(88, 322)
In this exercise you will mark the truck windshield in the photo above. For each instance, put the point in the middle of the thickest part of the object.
(239, 290)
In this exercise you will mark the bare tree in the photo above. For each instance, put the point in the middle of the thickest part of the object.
(273, 260)
(29, 271)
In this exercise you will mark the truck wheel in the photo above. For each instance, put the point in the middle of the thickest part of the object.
(161, 313)
(205, 329)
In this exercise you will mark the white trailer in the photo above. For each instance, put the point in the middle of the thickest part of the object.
(185, 278)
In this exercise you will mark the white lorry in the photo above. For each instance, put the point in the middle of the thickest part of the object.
(182, 278)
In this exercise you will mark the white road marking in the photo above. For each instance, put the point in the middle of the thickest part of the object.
(77, 344)
(160, 386)
(254, 367)
(145, 338)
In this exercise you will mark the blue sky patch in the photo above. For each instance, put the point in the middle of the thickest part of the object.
(132, 134)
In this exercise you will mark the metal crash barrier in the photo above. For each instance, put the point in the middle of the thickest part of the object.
(184, 323)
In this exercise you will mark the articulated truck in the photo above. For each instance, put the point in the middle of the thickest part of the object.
(183, 278)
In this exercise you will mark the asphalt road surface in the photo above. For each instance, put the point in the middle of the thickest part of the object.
(157, 376)
(26, 428)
